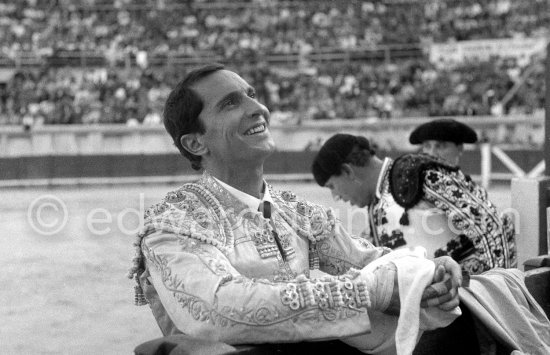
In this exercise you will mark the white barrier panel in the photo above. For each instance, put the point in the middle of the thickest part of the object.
(529, 204)
(385, 134)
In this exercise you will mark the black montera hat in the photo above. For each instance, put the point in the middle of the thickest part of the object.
(444, 129)
(334, 153)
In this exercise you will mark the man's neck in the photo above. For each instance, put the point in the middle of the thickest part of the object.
(375, 167)
(372, 173)
(248, 180)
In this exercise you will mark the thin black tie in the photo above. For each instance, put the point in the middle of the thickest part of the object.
(265, 208)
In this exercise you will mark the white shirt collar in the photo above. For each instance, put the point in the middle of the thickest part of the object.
(380, 182)
(250, 201)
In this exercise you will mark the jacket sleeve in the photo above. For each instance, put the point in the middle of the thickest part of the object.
(473, 218)
(331, 248)
(206, 297)
(336, 249)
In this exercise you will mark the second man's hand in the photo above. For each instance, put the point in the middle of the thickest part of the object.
(443, 292)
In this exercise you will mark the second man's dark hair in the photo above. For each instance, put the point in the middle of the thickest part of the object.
(337, 150)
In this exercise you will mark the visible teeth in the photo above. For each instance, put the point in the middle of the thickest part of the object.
(254, 130)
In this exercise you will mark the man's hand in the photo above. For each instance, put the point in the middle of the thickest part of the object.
(443, 292)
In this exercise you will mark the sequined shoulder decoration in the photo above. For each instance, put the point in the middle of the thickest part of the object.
(407, 175)
(190, 211)
(195, 212)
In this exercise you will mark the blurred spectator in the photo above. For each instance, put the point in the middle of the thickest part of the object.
(135, 42)
(326, 91)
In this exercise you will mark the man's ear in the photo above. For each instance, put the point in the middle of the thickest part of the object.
(347, 170)
(193, 143)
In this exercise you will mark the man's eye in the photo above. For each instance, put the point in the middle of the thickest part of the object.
(229, 102)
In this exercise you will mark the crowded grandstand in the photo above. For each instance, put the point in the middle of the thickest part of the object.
(115, 61)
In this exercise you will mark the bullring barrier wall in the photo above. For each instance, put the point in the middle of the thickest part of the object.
(74, 151)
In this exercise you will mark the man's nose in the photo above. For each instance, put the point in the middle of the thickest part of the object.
(255, 108)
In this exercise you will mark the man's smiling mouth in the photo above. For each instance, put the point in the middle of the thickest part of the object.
(255, 130)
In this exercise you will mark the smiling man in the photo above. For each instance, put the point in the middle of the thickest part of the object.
(228, 258)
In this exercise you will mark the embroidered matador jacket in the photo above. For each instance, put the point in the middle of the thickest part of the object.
(446, 212)
(214, 269)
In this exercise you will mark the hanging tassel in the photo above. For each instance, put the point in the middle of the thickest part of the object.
(137, 269)
(139, 296)
(404, 220)
(313, 257)
(313, 262)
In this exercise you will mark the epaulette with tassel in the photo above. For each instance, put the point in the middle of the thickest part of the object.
(406, 179)
(138, 267)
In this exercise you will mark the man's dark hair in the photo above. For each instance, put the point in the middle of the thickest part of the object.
(182, 110)
(337, 150)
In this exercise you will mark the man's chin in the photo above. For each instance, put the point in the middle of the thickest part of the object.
(265, 150)
(269, 146)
